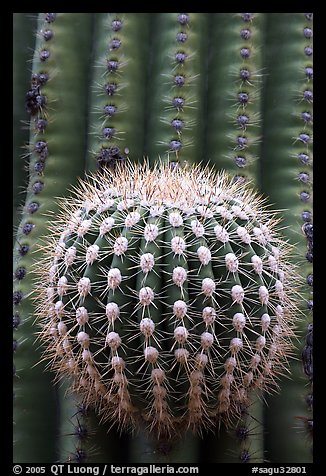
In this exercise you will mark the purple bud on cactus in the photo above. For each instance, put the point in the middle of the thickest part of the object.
(41, 124)
(240, 161)
(309, 256)
(306, 117)
(43, 78)
(310, 279)
(245, 34)
(303, 177)
(304, 158)
(39, 146)
(108, 132)
(37, 187)
(178, 102)
(27, 228)
(39, 167)
(110, 110)
(305, 138)
(112, 66)
(246, 16)
(44, 55)
(245, 74)
(50, 17)
(20, 273)
(179, 80)
(304, 196)
(181, 37)
(307, 32)
(308, 229)
(306, 216)
(242, 432)
(116, 25)
(175, 145)
(40, 100)
(308, 95)
(115, 44)
(180, 57)
(245, 53)
(15, 321)
(242, 141)
(23, 250)
(309, 72)
(177, 124)
(17, 297)
(243, 98)
(308, 51)
(110, 88)
(244, 456)
(242, 120)
(239, 179)
(47, 35)
(183, 18)
(32, 207)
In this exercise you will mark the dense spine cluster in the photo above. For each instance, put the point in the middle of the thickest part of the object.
(166, 297)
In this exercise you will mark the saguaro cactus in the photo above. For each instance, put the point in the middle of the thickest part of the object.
(162, 291)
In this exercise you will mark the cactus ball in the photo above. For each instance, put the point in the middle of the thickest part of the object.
(167, 296)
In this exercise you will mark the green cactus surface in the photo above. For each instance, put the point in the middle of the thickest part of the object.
(163, 255)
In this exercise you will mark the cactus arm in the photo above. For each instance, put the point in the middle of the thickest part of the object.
(286, 155)
(233, 128)
(56, 159)
(30, 375)
(176, 85)
(118, 96)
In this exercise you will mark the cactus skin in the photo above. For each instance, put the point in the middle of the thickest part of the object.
(200, 41)
(169, 307)
(285, 159)
(49, 150)
(233, 112)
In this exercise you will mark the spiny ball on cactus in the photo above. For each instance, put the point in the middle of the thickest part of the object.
(167, 296)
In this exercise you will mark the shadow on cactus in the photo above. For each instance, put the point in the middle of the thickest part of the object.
(167, 296)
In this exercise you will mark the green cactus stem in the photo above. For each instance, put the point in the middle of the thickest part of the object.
(234, 90)
(54, 98)
(287, 162)
(118, 93)
(175, 124)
